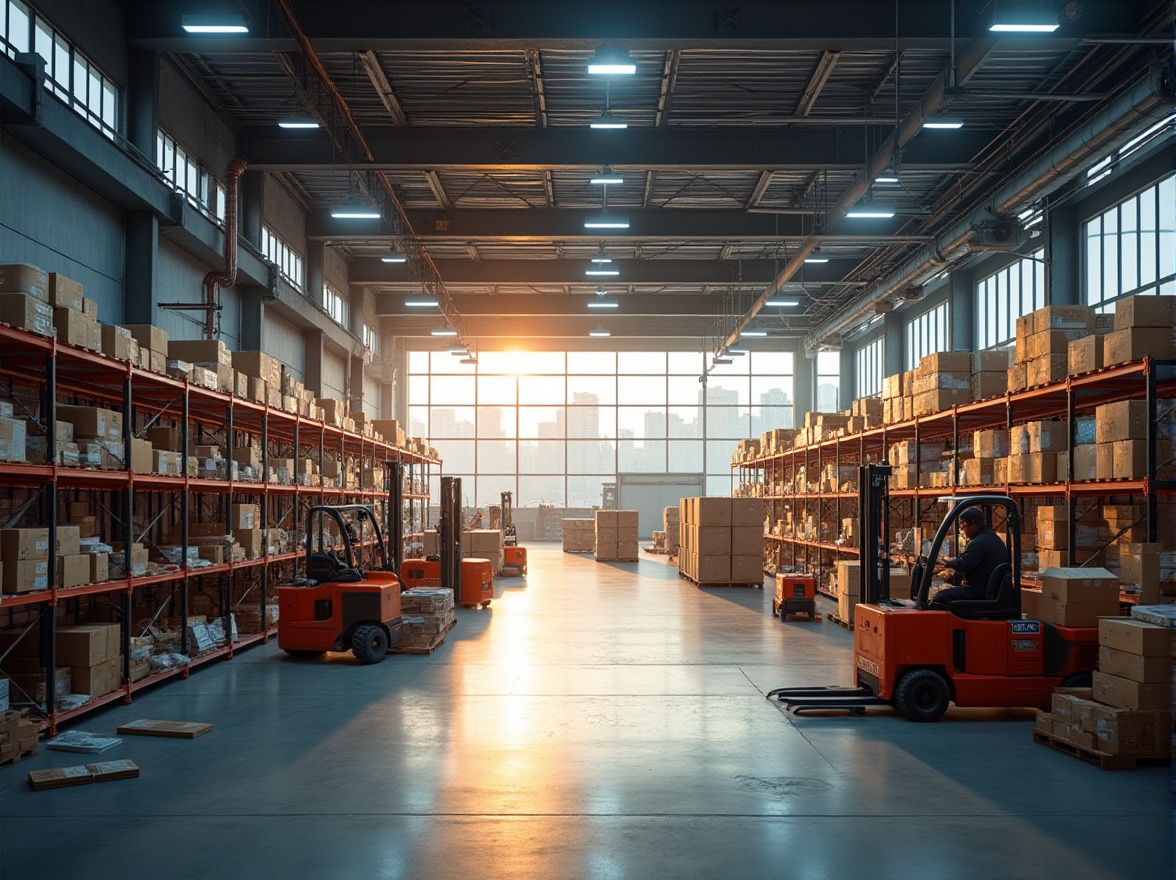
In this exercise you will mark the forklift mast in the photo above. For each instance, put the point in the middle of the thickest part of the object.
(449, 534)
(394, 514)
(509, 535)
(874, 513)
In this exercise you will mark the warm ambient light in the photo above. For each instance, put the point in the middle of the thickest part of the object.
(606, 221)
(355, 212)
(444, 331)
(297, 123)
(421, 303)
(214, 24)
(782, 303)
(608, 120)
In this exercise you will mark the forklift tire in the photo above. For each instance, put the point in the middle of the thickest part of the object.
(369, 644)
(1078, 680)
(922, 695)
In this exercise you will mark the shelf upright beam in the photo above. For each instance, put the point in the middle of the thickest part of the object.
(225, 503)
(185, 415)
(49, 610)
(1071, 501)
(128, 501)
(1153, 427)
(265, 503)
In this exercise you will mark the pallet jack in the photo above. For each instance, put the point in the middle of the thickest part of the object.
(795, 594)
(975, 653)
(514, 557)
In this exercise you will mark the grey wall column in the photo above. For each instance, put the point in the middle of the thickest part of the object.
(143, 101)
(313, 379)
(355, 384)
(1062, 256)
(962, 296)
(142, 261)
(848, 378)
(805, 376)
(252, 318)
(894, 352)
(387, 401)
(252, 213)
(315, 256)
(399, 402)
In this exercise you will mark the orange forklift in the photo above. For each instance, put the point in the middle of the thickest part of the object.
(514, 557)
(972, 653)
(341, 604)
(472, 580)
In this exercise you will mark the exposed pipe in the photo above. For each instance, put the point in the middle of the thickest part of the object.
(1149, 100)
(228, 277)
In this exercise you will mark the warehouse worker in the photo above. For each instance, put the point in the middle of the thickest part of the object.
(973, 568)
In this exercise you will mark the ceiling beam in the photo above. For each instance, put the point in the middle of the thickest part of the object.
(438, 190)
(820, 76)
(471, 305)
(761, 187)
(574, 148)
(370, 62)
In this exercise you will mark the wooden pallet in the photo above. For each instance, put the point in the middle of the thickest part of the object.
(845, 624)
(1100, 759)
(657, 551)
(19, 756)
(579, 551)
(426, 649)
(699, 583)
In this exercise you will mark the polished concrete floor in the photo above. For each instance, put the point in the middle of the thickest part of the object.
(597, 721)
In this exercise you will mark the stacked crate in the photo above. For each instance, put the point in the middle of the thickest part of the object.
(671, 523)
(579, 535)
(428, 614)
(942, 380)
(722, 540)
(615, 533)
(484, 544)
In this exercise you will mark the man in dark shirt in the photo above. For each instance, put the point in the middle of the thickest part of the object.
(975, 565)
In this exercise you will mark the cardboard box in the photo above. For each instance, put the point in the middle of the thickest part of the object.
(714, 569)
(849, 578)
(713, 511)
(20, 278)
(27, 312)
(252, 541)
(1136, 637)
(1123, 346)
(1122, 420)
(992, 384)
(991, 443)
(1079, 594)
(1135, 667)
(1129, 732)
(24, 576)
(200, 351)
(18, 544)
(151, 338)
(1116, 691)
(87, 645)
(99, 567)
(1145, 311)
(747, 569)
(260, 365)
(97, 680)
(1063, 318)
(13, 440)
(73, 571)
(714, 541)
(72, 326)
(92, 422)
(141, 456)
(117, 342)
(946, 362)
(990, 362)
(1085, 355)
(65, 293)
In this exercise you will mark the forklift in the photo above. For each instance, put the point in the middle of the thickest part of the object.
(471, 580)
(341, 604)
(514, 557)
(978, 652)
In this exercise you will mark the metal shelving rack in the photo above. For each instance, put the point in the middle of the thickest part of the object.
(53, 370)
(1150, 379)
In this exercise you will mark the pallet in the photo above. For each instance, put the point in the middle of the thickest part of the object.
(19, 756)
(657, 551)
(844, 624)
(1103, 760)
(699, 583)
(578, 551)
(426, 649)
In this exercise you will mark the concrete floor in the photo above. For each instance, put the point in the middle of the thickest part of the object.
(598, 721)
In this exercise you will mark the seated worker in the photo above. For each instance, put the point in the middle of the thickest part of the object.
(974, 566)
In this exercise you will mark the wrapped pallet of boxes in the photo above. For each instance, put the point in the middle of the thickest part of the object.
(1143, 327)
(484, 544)
(579, 535)
(721, 540)
(672, 526)
(428, 614)
(606, 535)
(849, 589)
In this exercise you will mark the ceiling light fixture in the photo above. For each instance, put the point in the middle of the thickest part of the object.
(886, 177)
(782, 303)
(394, 255)
(602, 271)
(754, 332)
(721, 361)
(602, 258)
(739, 352)
(607, 120)
(221, 23)
(421, 303)
(471, 360)
(1022, 22)
(603, 304)
(605, 220)
(599, 332)
(443, 331)
(457, 349)
(870, 210)
(816, 256)
(948, 123)
(611, 62)
(297, 123)
(606, 178)
(355, 212)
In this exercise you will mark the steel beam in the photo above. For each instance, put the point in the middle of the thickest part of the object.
(547, 272)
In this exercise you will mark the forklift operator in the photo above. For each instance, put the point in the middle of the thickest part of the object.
(975, 565)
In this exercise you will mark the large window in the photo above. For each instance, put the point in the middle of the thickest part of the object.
(553, 427)
(335, 305)
(188, 176)
(288, 260)
(1003, 297)
(371, 339)
(828, 381)
(68, 73)
(870, 364)
(1131, 248)
(927, 333)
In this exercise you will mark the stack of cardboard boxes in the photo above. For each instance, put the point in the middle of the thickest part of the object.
(671, 523)
(941, 381)
(153, 346)
(24, 299)
(722, 540)
(94, 654)
(483, 544)
(579, 535)
(1072, 596)
(209, 363)
(19, 736)
(13, 435)
(428, 613)
(615, 536)
(24, 559)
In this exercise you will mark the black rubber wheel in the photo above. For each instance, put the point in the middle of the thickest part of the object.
(922, 695)
(1078, 680)
(307, 654)
(369, 644)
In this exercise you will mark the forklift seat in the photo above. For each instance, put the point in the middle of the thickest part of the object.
(325, 566)
(1002, 600)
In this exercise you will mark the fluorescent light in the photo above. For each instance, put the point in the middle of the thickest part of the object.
(421, 303)
(782, 303)
(722, 361)
(607, 180)
(443, 331)
(355, 212)
(611, 62)
(606, 221)
(1013, 22)
(225, 23)
(599, 332)
(603, 304)
(601, 258)
(755, 332)
(943, 122)
(608, 120)
(816, 257)
(459, 350)
(394, 256)
(602, 271)
(1024, 28)
(867, 209)
(886, 178)
(297, 123)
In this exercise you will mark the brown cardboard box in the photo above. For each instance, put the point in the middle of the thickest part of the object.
(1052, 342)
(946, 362)
(1046, 369)
(1136, 637)
(27, 312)
(1122, 420)
(849, 578)
(714, 541)
(251, 540)
(1105, 460)
(714, 511)
(1116, 691)
(1085, 586)
(118, 343)
(1053, 534)
(1128, 732)
(1063, 318)
(72, 327)
(991, 444)
(73, 571)
(200, 351)
(746, 512)
(150, 337)
(978, 471)
(1085, 462)
(1122, 346)
(714, 569)
(141, 455)
(747, 569)
(99, 568)
(13, 440)
(260, 365)
(992, 384)
(1135, 667)
(92, 422)
(90, 307)
(87, 644)
(16, 544)
(990, 362)
(1145, 311)
(20, 278)
(1085, 355)
(1039, 467)
(25, 575)
(97, 680)
(65, 293)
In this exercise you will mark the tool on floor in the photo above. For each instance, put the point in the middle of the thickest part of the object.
(342, 604)
(974, 653)
(795, 594)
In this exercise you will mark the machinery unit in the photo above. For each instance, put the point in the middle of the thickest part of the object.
(795, 594)
(420, 573)
(974, 653)
(514, 557)
(477, 582)
(342, 604)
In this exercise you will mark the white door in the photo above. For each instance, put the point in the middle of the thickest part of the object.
(651, 494)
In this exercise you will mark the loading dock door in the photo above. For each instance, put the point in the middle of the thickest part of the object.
(650, 494)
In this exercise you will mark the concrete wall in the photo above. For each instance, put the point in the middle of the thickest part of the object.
(284, 341)
(334, 375)
(180, 279)
(197, 127)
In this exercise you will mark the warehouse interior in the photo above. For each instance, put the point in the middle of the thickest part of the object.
(633, 361)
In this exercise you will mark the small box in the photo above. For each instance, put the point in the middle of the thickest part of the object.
(1135, 667)
(19, 544)
(1136, 636)
(20, 278)
(1124, 346)
(65, 293)
(1085, 355)
(26, 312)
(24, 576)
(151, 338)
(1116, 691)
(118, 343)
(1122, 420)
(1145, 311)
(97, 680)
